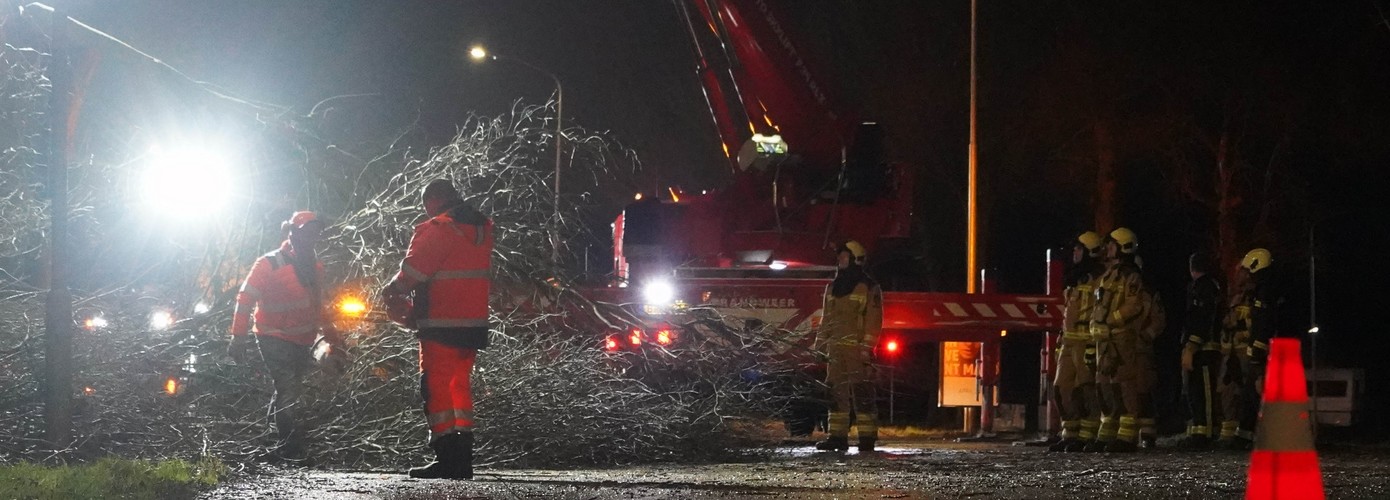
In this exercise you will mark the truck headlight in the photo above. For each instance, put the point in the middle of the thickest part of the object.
(659, 293)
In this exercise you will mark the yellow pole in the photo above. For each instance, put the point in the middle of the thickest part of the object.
(970, 236)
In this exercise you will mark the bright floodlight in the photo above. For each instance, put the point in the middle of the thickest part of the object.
(187, 183)
(160, 320)
(201, 308)
(477, 52)
(659, 293)
(777, 265)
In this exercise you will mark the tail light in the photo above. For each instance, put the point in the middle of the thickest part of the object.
(664, 336)
(611, 343)
(634, 336)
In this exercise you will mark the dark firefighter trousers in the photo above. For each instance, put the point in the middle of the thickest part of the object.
(1238, 394)
(1202, 398)
(287, 363)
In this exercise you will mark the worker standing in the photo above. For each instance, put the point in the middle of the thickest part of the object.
(1201, 352)
(1154, 321)
(1074, 388)
(1115, 321)
(1254, 316)
(285, 291)
(442, 292)
(852, 317)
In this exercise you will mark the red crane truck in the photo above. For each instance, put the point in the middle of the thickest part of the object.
(807, 175)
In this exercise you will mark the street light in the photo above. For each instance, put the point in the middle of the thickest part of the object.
(480, 54)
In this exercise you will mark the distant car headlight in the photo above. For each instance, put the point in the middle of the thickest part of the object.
(659, 293)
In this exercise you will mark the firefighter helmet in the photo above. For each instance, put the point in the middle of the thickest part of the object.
(1092, 242)
(1126, 239)
(1256, 259)
(299, 220)
(855, 249)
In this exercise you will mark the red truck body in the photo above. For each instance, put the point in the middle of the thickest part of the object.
(758, 255)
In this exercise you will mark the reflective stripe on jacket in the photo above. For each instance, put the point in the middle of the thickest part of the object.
(284, 307)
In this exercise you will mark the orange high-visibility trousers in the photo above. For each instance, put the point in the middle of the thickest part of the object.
(446, 375)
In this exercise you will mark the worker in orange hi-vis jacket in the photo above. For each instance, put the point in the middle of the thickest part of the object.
(442, 291)
(285, 291)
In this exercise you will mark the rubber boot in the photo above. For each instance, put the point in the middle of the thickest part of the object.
(1148, 441)
(834, 443)
(1096, 446)
(453, 458)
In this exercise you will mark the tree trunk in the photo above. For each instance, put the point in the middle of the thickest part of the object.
(1106, 184)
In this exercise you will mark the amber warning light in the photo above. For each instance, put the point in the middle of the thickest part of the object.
(352, 307)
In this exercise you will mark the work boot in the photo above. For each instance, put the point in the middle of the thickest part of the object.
(1096, 446)
(866, 444)
(453, 458)
(1195, 442)
(1148, 441)
(1064, 444)
(1120, 446)
(834, 443)
(1076, 446)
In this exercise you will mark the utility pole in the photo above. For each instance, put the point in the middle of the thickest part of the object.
(57, 381)
(971, 195)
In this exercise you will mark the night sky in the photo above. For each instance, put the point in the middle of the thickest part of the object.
(1303, 84)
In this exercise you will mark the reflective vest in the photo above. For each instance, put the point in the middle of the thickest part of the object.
(284, 307)
(447, 267)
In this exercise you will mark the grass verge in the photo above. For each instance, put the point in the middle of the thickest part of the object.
(111, 478)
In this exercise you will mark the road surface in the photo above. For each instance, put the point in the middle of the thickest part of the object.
(901, 469)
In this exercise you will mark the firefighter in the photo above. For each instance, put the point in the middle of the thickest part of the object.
(285, 290)
(441, 291)
(1251, 326)
(852, 317)
(1074, 388)
(1115, 322)
(1201, 352)
(1154, 321)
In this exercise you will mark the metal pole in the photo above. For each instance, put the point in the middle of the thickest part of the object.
(1313, 331)
(971, 198)
(57, 391)
(892, 376)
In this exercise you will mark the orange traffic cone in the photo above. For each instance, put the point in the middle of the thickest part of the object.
(1284, 463)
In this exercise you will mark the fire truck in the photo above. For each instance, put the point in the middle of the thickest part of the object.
(754, 258)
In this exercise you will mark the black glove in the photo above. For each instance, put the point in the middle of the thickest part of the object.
(242, 349)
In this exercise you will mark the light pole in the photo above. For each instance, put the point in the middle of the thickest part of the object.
(479, 53)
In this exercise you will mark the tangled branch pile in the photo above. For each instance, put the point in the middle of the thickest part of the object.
(546, 394)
